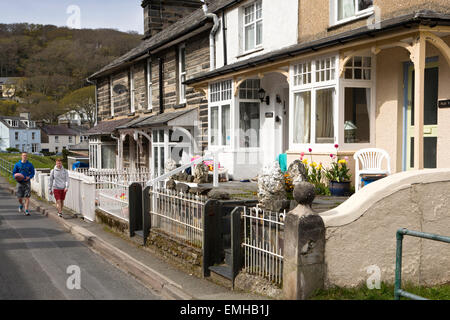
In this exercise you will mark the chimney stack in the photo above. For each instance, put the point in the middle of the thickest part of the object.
(159, 14)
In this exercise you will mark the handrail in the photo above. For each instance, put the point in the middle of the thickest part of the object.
(398, 292)
(153, 182)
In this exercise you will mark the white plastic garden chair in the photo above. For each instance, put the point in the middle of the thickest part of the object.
(371, 163)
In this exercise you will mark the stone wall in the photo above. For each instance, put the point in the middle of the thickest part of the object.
(361, 232)
(162, 13)
(197, 61)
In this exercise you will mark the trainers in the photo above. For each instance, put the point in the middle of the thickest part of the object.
(20, 208)
(27, 213)
(60, 215)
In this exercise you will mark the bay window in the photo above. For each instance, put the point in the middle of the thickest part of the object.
(253, 25)
(314, 102)
(220, 113)
(357, 95)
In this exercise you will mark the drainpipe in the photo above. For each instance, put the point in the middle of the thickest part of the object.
(96, 104)
(224, 29)
(212, 51)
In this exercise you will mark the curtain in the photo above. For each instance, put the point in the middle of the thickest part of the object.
(324, 116)
(108, 157)
(226, 125)
(302, 117)
(214, 125)
(346, 9)
(249, 124)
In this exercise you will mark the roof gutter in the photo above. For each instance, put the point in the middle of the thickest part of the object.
(414, 19)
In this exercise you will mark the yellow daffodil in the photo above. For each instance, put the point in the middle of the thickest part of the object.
(342, 161)
(305, 161)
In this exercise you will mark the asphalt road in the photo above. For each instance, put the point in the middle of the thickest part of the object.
(39, 260)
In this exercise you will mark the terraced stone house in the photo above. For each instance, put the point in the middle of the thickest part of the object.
(285, 77)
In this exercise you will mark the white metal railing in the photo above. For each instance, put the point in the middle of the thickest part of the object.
(112, 197)
(214, 155)
(263, 243)
(6, 166)
(123, 176)
(178, 214)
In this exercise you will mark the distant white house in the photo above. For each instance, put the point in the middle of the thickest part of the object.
(74, 118)
(60, 137)
(20, 133)
(8, 87)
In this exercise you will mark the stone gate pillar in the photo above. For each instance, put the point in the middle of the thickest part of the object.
(304, 247)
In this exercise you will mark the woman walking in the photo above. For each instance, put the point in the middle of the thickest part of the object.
(59, 184)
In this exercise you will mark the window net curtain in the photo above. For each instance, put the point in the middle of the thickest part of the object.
(108, 157)
(324, 116)
(302, 117)
(346, 9)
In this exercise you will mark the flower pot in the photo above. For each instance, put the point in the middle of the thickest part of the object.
(339, 189)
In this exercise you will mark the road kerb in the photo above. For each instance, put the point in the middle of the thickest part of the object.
(149, 277)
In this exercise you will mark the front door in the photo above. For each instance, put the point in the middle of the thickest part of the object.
(430, 117)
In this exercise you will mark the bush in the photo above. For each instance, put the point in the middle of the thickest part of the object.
(10, 150)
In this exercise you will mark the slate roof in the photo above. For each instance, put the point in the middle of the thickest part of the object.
(424, 17)
(158, 119)
(183, 26)
(59, 131)
(21, 124)
(107, 127)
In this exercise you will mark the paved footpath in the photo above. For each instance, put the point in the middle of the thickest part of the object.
(36, 251)
(157, 275)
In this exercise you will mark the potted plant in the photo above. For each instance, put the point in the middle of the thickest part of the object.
(338, 176)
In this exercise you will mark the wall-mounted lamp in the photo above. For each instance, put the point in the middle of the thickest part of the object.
(262, 96)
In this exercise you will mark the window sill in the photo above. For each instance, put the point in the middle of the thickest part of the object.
(180, 106)
(350, 21)
(249, 52)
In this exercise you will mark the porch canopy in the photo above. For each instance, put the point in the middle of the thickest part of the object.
(411, 32)
(142, 127)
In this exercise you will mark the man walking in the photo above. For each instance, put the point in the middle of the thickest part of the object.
(59, 184)
(23, 190)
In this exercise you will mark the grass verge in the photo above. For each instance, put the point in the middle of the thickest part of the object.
(386, 292)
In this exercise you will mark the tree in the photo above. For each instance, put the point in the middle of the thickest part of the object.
(8, 107)
(81, 101)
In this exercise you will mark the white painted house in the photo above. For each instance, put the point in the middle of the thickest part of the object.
(20, 133)
(251, 130)
(57, 138)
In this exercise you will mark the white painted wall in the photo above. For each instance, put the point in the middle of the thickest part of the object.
(63, 141)
(280, 29)
(24, 141)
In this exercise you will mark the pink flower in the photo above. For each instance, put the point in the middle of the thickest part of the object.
(346, 158)
(302, 154)
(336, 146)
(310, 150)
(332, 156)
(301, 157)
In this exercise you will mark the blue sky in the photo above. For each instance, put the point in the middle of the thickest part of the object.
(124, 15)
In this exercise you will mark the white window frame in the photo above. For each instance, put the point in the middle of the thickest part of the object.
(111, 94)
(149, 85)
(181, 74)
(313, 87)
(358, 83)
(254, 22)
(95, 153)
(334, 12)
(16, 136)
(132, 91)
(56, 139)
(70, 139)
(225, 98)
